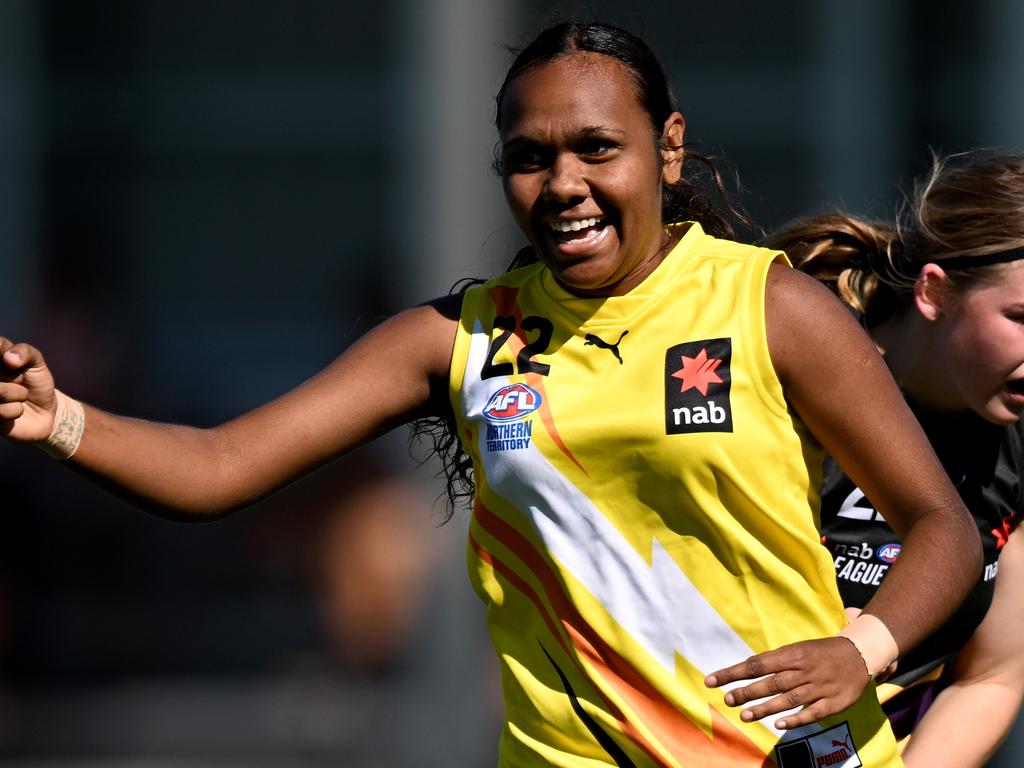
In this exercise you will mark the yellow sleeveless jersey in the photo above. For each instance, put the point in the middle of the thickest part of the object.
(645, 514)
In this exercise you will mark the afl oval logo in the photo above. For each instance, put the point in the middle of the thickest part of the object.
(512, 402)
(888, 553)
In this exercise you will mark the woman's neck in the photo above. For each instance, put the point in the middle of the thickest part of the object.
(905, 341)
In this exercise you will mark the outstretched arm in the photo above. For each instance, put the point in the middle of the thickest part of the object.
(988, 685)
(396, 372)
(838, 384)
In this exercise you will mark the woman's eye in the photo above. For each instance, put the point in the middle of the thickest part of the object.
(522, 160)
(595, 147)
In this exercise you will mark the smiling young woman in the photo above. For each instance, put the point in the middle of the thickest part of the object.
(640, 412)
(583, 177)
(941, 291)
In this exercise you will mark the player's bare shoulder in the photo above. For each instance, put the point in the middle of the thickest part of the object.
(417, 342)
(804, 320)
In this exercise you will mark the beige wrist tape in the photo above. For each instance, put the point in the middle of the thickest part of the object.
(873, 641)
(68, 426)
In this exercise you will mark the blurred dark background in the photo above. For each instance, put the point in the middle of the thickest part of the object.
(201, 204)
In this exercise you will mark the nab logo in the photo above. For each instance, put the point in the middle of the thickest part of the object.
(888, 553)
(697, 384)
(510, 403)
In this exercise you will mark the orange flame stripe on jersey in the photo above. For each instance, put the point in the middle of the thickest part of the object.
(517, 581)
(680, 737)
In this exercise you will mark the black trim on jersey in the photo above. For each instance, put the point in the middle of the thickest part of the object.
(607, 743)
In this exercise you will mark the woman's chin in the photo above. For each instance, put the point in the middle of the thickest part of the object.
(1001, 412)
(585, 279)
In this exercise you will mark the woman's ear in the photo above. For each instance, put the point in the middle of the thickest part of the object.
(672, 148)
(932, 292)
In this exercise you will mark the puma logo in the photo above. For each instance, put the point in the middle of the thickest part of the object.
(592, 340)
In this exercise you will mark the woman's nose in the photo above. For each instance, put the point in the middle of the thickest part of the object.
(566, 180)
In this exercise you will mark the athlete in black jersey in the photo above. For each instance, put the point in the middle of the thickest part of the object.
(986, 463)
(942, 293)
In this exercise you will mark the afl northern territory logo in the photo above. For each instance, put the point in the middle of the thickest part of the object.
(511, 403)
(697, 384)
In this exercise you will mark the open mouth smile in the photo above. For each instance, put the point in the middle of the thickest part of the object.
(574, 235)
(565, 226)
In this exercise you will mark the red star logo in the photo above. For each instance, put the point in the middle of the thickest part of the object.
(697, 372)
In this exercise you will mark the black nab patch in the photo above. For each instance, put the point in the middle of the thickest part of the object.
(697, 383)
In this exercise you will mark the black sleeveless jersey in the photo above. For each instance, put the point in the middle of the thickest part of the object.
(985, 461)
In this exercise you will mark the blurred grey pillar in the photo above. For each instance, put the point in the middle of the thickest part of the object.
(1002, 118)
(450, 222)
(18, 161)
(859, 79)
(452, 219)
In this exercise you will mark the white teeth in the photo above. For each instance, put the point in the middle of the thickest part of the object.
(572, 226)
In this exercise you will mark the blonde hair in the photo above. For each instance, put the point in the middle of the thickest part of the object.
(966, 215)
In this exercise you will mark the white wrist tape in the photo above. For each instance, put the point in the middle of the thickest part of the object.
(68, 426)
(873, 641)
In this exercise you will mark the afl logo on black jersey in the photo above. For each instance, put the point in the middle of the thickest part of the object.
(697, 383)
